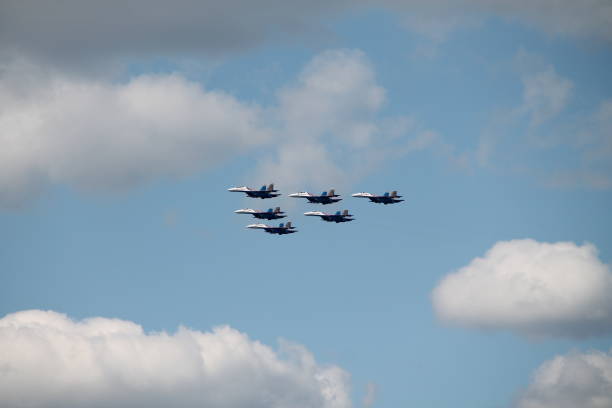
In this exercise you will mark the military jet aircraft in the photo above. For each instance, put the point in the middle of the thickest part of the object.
(282, 229)
(263, 215)
(324, 198)
(383, 199)
(343, 216)
(262, 193)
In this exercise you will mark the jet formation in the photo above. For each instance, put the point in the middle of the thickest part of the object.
(326, 197)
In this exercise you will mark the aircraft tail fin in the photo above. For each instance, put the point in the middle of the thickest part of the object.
(345, 213)
(263, 188)
(338, 213)
(323, 194)
(394, 193)
(281, 225)
(386, 194)
(277, 210)
(271, 187)
(269, 210)
(332, 192)
(288, 224)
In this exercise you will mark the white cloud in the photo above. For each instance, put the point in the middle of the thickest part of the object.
(574, 380)
(332, 127)
(106, 136)
(336, 88)
(532, 288)
(49, 360)
(545, 94)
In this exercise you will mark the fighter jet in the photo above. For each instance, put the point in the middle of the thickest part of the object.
(263, 215)
(337, 217)
(324, 198)
(262, 193)
(383, 199)
(282, 229)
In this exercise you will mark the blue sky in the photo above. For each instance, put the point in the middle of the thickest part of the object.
(494, 124)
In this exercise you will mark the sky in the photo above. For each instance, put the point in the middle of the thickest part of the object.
(128, 280)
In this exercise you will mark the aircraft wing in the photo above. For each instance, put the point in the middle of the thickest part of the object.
(247, 211)
(302, 194)
(240, 189)
(259, 226)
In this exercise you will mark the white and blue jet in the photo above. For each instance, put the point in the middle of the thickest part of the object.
(282, 229)
(343, 216)
(271, 214)
(263, 192)
(385, 199)
(324, 198)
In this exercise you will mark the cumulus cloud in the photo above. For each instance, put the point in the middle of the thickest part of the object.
(573, 380)
(332, 126)
(107, 136)
(533, 288)
(49, 360)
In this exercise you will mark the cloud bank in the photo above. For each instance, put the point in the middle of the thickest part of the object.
(73, 32)
(104, 136)
(570, 381)
(532, 288)
(49, 360)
